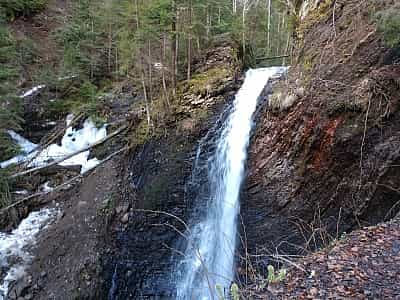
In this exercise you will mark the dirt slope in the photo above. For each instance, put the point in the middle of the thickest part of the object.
(67, 261)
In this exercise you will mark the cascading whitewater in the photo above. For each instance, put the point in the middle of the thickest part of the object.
(209, 257)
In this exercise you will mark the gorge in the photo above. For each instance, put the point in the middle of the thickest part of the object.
(207, 169)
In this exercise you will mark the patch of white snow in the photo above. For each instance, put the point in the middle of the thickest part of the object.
(14, 247)
(73, 140)
(46, 188)
(25, 145)
(32, 91)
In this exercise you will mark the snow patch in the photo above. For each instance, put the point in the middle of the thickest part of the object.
(33, 91)
(21, 192)
(46, 188)
(25, 145)
(14, 252)
(73, 140)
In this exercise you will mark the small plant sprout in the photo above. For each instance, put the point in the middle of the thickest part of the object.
(235, 291)
(275, 277)
(220, 292)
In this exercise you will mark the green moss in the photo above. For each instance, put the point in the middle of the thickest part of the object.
(307, 64)
(107, 207)
(141, 134)
(203, 82)
(342, 106)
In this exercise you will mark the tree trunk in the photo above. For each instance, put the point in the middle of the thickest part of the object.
(146, 100)
(91, 56)
(174, 53)
(150, 67)
(137, 14)
(109, 46)
(269, 28)
(189, 55)
(177, 46)
(207, 23)
(164, 82)
(244, 29)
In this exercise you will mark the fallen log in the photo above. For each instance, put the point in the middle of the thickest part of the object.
(271, 57)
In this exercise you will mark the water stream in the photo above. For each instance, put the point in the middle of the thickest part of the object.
(210, 254)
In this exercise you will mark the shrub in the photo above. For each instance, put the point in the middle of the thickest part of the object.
(389, 26)
(10, 104)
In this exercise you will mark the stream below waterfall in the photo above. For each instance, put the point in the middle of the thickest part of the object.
(209, 259)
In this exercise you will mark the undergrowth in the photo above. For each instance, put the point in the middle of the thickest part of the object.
(5, 196)
(10, 104)
(12, 9)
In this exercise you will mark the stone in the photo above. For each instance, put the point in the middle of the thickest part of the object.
(121, 209)
(125, 218)
(82, 204)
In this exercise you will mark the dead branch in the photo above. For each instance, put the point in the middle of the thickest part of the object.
(59, 187)
(41, 193)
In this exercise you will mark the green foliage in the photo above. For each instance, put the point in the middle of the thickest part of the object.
(15, 8)
(389, 26)
(83, 41)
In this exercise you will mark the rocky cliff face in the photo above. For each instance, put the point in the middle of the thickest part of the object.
(325, 152)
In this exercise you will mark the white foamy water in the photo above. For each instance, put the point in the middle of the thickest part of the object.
(14, 247)
(210, 255)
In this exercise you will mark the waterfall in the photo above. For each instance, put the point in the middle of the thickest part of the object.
(211, 242)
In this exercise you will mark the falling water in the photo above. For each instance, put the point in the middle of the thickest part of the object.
(209, 257)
